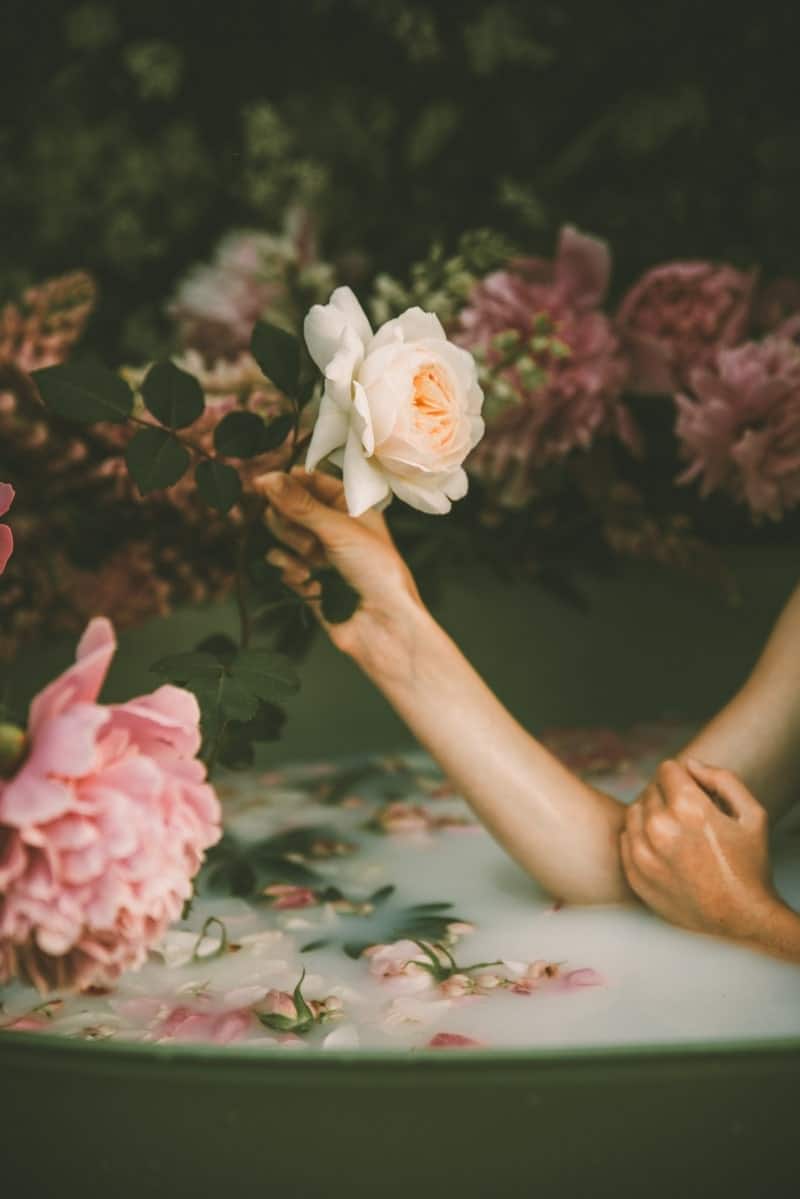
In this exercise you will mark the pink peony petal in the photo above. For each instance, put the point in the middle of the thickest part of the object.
(81, 682)
(6, 546)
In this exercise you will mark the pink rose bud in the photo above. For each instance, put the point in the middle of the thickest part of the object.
(456, 985)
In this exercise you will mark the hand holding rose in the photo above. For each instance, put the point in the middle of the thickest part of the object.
(703, 864)
(308, 514)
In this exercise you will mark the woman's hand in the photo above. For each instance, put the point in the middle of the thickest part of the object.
(308, 515)
(702, 863)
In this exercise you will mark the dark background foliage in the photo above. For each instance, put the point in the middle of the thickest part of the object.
(133, 135)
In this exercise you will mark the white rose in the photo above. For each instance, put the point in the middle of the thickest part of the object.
(400, 410)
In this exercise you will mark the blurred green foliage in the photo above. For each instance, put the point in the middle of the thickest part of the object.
(132, 136)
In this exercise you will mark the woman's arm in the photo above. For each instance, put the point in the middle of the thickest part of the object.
(757, 734)
(561, 830)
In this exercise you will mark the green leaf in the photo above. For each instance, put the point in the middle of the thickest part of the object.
(306, 391)
(304, 1012)
(276, 432)
(220, 645)
(278, 355)
(240, 434)
(85, 393)
(155, 460)
(236, 748)
(218, 484)
(223, 698)
(184, 666)
(174, 397)
(266, 674)
(338, 599)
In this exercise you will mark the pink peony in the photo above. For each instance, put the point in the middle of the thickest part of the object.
(578, 396)
(740, 428)
(677, 316)
(6, 536)
(102, 827)
(776, 303)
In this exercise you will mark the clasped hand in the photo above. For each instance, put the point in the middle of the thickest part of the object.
(694, 848)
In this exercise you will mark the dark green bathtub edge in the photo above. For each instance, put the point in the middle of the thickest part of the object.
(42, 1051)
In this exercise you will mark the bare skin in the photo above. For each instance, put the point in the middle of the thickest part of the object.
(674, 849)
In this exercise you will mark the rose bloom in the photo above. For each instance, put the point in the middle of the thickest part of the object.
(401, 408)
(571, 399)
(740, 427)
(398, 963)
(677, 316)
(102, 827)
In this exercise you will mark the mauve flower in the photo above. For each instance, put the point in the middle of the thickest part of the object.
(740, 427)
(775, 303)
(6, 536)
(677, 316)
(573, 398)
(218, 303)
(102, 827)
(400, 817)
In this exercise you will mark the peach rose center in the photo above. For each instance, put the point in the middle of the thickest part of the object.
(434, 405)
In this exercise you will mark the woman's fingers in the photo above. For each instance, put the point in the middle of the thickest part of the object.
(298, 539)
(295, 573)
(331, 491)
(296, 504)
(737, 800)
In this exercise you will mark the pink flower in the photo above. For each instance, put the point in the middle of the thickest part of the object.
(453, 1040)
(6, 536)
(278, 1003)
(578, 398)
(677, 316)
(399, 963)
(102, 827)
(213, 1027)
(286, 896)
(740, 427)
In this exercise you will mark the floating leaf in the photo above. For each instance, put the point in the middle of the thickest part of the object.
(155, 460)
(221, 946)
(278, 354)
(219, 484)
(85, 393)
(311, 946)
(174, 397)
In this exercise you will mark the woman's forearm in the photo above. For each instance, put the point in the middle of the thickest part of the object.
(560, 830)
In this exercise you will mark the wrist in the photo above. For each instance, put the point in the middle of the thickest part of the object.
(387, 643)
(777, 929)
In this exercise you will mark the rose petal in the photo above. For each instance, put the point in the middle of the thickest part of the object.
(364, 483)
